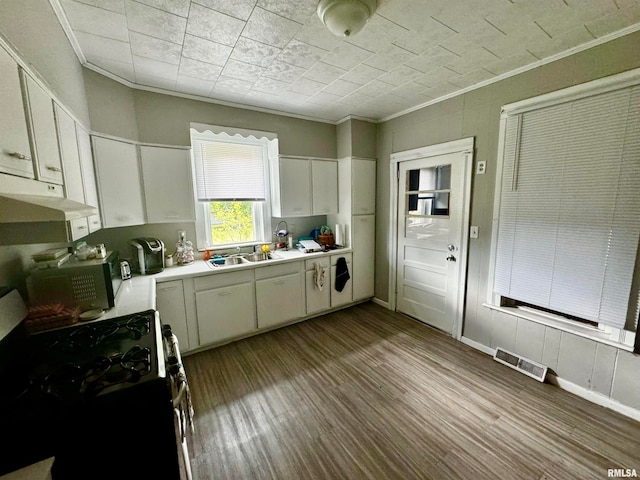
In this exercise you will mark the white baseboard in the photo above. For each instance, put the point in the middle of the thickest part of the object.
(382, 303)
(590, 395)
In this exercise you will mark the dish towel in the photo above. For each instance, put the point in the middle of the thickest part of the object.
(319, 273)
(342, 274)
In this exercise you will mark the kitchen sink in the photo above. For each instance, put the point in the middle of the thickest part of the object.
(257, 257)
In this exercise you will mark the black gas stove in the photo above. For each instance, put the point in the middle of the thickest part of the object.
(87, 393)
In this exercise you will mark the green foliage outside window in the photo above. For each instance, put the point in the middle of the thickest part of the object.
(231, 222)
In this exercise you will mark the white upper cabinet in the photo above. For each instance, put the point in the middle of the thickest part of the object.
(68, 142)
(302, 187)
(168, 185)
(363, 187)
(88, 176)
(324, 179)
(44, 141)
(15, 152)
(292, 188)
(119, 182)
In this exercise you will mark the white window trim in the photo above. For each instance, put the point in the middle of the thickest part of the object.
(604, 334)
(262, 225)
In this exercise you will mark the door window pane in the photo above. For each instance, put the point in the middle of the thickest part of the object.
(428, 191)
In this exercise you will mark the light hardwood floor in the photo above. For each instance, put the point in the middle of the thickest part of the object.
(365, 393)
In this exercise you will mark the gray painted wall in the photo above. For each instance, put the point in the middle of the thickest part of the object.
(476, 114)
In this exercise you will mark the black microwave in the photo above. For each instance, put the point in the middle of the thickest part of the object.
(89, 284)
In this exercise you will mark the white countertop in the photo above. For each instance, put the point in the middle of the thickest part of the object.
(139, 294)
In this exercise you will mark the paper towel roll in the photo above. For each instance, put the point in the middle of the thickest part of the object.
(339, 234)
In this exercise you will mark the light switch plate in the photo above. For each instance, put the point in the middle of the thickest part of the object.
(481, 167)
(473, 232)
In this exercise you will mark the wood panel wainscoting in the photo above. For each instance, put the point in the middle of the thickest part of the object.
(366, 393)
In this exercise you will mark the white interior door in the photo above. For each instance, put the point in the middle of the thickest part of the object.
(431, 224)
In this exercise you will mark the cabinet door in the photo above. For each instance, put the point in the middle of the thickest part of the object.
(225, 312)
(15, 152)
(295, 187)
(279, 299)
(119, 182)
(170, 305)
(324, 180)
(363, 187)
(168, 189)
(43, 132)
(68, 143)
(318, 300)
(88, 176)
(363, 234)
(345, 296)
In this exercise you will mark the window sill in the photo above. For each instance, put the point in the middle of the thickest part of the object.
(565, 325)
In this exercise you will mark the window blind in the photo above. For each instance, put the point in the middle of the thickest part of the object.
(569, 220)
(229, 171)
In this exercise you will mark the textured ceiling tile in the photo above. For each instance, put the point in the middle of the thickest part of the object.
(400, 75)
(316, 34)
(94, 46)
(293, 98)
(96, 21)
(472, 78)
(177, 7)
(215, 26)
(236, 8)
(377, 34)
(266, 27)
(194, 86)
(264, 99)
(321, 72)
(346, 56)
(145, 46)
(242, 71)
(155, 23)
(362, 74)
(436, 76)
(306, 86)
(560, 43)
(154, 68)
(205, 50)
(509, 63)
(231, 85)
(270, 85)
(301, 54)
(616, 21)
(284, 72)
(374, 88)
(341, 88)
(441, 90)
(356, 99)
(297, 10)
(123, 70)
(323, 98)
(432, 58)
(408, 90)
(158, 82)
(113, 5)
(198, 69)
(256, 53)
(390, 58)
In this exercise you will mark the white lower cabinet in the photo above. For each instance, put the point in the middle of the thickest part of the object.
(225, 306)
(171, 306)
(279, 294)
(344, 296)
(318, 296)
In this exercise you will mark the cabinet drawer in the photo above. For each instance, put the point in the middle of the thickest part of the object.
(78, 228)
(223, 279)
(278, 270)
(310, 264)
(334, 258)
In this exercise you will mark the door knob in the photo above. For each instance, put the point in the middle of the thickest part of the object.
(451, 258)
(451, 247)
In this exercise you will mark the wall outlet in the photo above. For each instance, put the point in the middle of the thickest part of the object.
(481, 167)
(473, 232)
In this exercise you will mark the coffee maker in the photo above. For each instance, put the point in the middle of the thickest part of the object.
(148, 255)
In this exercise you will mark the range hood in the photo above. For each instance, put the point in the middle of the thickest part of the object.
(20, 208)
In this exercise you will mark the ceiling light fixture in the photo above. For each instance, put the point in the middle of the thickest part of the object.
(344, 18)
